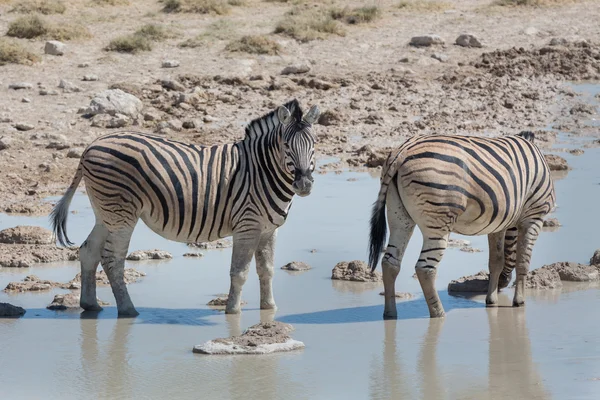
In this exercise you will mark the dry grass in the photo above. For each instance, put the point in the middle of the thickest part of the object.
(140, 40)
(359, 15)
(219, 7)
(255, 44)
(532, 3)
(220, 30)
(45, 7)
(33, 26)
(13, 53)
(309, 24)
(424, 5)
(109, 2)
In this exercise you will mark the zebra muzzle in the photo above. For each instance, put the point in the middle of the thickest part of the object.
(303, 183)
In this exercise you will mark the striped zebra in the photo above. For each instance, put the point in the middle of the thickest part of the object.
(189, 193)
(500, 187)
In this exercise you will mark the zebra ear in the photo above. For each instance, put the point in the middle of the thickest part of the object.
(312, 115)
(284, 115)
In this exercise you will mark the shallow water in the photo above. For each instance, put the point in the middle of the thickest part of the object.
(549, 349)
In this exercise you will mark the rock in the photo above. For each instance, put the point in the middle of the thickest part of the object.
(477, 283)
(262, 338)
(575, 272)
(25, 100)
(68, 87)
(113, 102)
(440, 57)
(558, 42)
(55, 48)
(172, 85)
(149, 255)
(26, 255)
(46, 92)
(69, 301)
(221, 301)
(152, 115)
(5, 143)
(551, 223)
(556, 163)
(319, 84)
(208, 119)
(9, 311)
(296, 266)
(175, 125)
(576, 152)
(131, 275)
(426, 40)
(24, 234)
(118, 121)
(20, 86)
(545, 277)
(330, 117)
(192, 124)
(583, 108)
(400, 295)
(83, 65)
(295, 69)
(90, 78)
(530, 31)
(58, 145)
(170, 64)
(217, 244)
(595, 260)
(469, 249)
(75, 153)
(356, 271)
(24, 127)
(193, 254)
(31, 283)
(369, 157)
(468, 40)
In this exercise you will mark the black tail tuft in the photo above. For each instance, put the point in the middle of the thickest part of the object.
(58, 217)
(527, 135)
(378, 232)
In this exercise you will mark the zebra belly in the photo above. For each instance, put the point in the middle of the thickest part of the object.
(171, 234)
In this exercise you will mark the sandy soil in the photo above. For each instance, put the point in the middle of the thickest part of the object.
(372, 86)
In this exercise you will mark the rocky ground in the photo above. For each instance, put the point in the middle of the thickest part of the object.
(197, 77)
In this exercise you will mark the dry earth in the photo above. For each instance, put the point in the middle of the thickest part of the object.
(372, 86)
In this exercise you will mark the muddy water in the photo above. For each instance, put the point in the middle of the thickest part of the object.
(549, 349)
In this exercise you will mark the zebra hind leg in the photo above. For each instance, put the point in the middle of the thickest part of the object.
(510, 257)
(496, 264)
(426, 268)
(401, 229)
(244, 247)
(113, 263)
(90, 254)
(528, 234)
(265, 269)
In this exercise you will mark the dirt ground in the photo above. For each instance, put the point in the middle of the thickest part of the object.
(372, 86)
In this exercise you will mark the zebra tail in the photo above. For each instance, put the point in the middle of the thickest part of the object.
(60, 212)
(527, 135)
(378, 225)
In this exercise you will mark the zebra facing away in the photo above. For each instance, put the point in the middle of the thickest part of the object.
(190, 193)
(500, 187)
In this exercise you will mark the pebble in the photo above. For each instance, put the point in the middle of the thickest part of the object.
(24, 127)
(426, 40)
(68, 87)
(295, 69)
(20, 85)
(25, 100)
(170, 64)
(208, 119)
(84, 65)
(440, 57)
(90, 78)
(172, 85)
(46, 92)
(55, 48)
(468, 40)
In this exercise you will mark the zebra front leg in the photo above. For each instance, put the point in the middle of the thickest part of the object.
(528, 234)
(495, 265)
(265, 255)
(426, 268)
(90, 254)
(510, 257)
(401, 230)
(244, 247)
(113, 262)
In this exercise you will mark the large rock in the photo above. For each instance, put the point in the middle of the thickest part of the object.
(426, 40)
(556, 163)
(31, 283)
(113, 102)
(55, 48)
(546, 277)
(296, 266)
(575, 272)
(69, 301)
(595, 260)
(26, 235)
(356, 271)
(149, 255)
(262, 338)
(25, 255)
(477, 283)
(9, 311)
(468, 40)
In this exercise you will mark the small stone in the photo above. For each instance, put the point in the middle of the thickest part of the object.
(440, 57)
(426, 41)
(595, 260)
(357, 271)
(9, 311)
(194, 254)
(68, 87)
(295, 69)
(556, 163)
(209, 119)
(20, 86)
(55, 48)
(90, 78)
(192, 124)
(25, 100)
(5, 142)
(75, 153)
(140, 255)
(84, 65)
(468, 40)
(46, 92)
(58, 145)
(24, 127)
(576, 152)
(296, 266)
(558, 42)
(175, 125)
(216, 244)
(172, 85)
(69, 301)
(477, 283)
(118, 121)
(170, 64)
(330, 117)
(530, 31)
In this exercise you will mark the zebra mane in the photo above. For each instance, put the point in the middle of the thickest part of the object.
(293, 106)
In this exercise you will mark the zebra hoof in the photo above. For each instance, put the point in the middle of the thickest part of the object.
(233, 310)
(268, 306)
(518, 303)
(91, 307)
(131, 313)
(387, 316)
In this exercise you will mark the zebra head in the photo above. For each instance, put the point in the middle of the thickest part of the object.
(298, 155)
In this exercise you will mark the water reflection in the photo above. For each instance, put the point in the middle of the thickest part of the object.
(354, 287)
(431, 381)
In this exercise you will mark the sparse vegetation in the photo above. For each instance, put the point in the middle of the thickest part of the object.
(236, 3)
(45, 7)
(219, 7)
(306, 25)
(33, 26)
(140, 40)
(110, 2)
(424, 5)
(359, 15)
(256, 44)
(532, 3)
(13, 53)
(68, 32)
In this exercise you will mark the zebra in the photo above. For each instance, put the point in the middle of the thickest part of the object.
(190, 193)
(500, 187)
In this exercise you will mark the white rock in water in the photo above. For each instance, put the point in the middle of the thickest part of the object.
(468, 40)
(170, 64)
(426, 40)
(113, 102)
(55, 48)
(214, 347)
